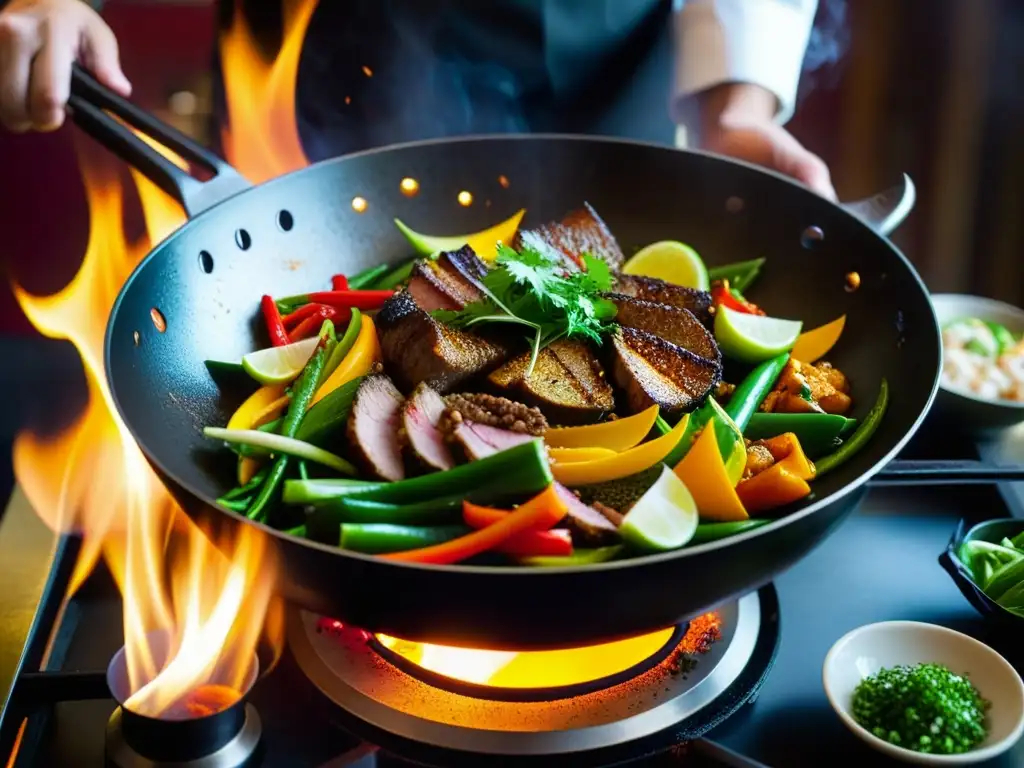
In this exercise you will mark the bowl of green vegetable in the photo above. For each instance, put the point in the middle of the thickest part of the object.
(925, 694)
(987, 564)
(982, 384)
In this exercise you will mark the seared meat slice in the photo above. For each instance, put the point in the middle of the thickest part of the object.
(373, 428)
(581, 231)
(660, 292)
(678, 326)
(417, 348)
(479, 440)
(451, 281)
(567, 383)
(422, 438)
(653, 371)
(483, 408)
(586, 523)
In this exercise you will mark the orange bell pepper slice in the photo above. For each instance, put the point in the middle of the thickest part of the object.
(358, 362)
(772, 488)
(541, 512)
(704, 475)
(616, 435)
(786, 451)
(814, 344)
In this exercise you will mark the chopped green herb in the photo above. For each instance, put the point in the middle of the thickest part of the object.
(805, 393)
(528, 288)
(925, 708)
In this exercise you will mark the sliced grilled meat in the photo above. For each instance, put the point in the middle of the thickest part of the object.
(416, 348)
(678, 326)
(373, 428)
(660, 292)
(567, 383)
(581, 231)
(451, 281)
(477, 441)
(494, 411)
(654, 371)
(421, 437)
(586, 522)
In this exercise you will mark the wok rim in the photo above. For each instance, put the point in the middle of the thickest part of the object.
(648, 560)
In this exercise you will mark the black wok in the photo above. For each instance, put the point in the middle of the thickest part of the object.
(289, 235)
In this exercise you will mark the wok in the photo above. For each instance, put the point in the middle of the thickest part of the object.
(289, 235)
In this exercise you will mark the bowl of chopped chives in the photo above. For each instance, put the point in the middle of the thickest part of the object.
(925, 694)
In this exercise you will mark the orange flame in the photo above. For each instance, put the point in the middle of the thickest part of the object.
(93, 480)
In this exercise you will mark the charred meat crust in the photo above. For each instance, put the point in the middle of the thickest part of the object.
(652, 371)
(373, 428)
(483, 408)
(451, 281)
(417, 348)
(675, 325)
(567, 383)
(660, 292)
(421, 438)
(579, 232)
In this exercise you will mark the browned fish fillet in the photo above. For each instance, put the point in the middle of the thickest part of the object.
(678, 326)
(451, 281)
(660, 292)
(373, 428)
(567, 383)
(653, 371)
(416, 348)
(579, 232)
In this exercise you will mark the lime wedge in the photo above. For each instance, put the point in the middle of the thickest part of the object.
(753, 338)
(670, 261)
(665, 517)
(484, 243)
(276, 365)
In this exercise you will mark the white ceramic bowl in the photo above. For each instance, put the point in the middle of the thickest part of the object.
(865, 651)
(971, 412)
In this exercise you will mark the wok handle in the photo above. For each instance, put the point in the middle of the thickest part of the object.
(942, 472)
(106, 117)
(886, 210)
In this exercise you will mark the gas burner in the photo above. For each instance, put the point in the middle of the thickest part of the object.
(415, 703)
(215, 728)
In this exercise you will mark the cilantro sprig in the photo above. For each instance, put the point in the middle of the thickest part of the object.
(528, 288)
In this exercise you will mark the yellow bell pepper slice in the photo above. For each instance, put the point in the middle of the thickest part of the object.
(259, 408)
(484, 243)
(814, 344)
(620, 465)
(787, 451)
(703, 473)
(774, 487)
(571, 455)
(358, 362)
(615, 435)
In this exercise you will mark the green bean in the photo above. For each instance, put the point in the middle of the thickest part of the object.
(740, 274)
(860, 437)
(379, 538)
(367, 276)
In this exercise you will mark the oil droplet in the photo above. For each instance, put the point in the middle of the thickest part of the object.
(359, 204)
(409, 186)
(158, 319)
(135, 337)
(503, 180)
(465, 199)
(367, 71)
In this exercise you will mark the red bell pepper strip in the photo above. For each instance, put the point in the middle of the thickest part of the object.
(721, 295)
(341, 299)
(294, 318)
(311, 324)
(524, 544)
(339, 283)
(275, 326)
(542, 511)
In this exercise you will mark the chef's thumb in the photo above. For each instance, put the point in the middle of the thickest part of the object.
(101, 57)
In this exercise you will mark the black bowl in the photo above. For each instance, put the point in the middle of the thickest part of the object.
(993, 531)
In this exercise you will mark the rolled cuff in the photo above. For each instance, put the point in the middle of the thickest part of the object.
(761, 42)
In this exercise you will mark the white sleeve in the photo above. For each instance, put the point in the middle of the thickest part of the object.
(741, 41)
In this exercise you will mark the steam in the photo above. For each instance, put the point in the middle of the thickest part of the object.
(830, 37)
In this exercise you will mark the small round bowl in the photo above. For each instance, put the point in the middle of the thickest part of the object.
(866, 650)
(993, 531)
(967, 410)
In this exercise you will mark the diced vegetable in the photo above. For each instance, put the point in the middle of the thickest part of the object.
(861, 435)
(753, 338)
(623, 464)
(382, 538)
(663, 518)
(728, 437)
(366, 278)
(740, 274)
(814, 344)
(774, 487)
(703, 473)
(279, 444)
(714, 531)
(1004, 339)
(344, 345)
(327, 418)
(275, 326)
(787, 452)
(483, 243)
(358, 362)
(541, 512)
(616, 435)
(818, 433)
(570, 455)
(752, 391)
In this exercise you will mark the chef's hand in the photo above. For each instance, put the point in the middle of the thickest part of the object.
(738, 120)
(39, 41)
